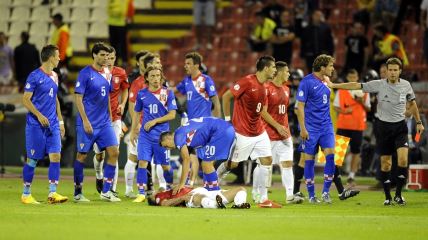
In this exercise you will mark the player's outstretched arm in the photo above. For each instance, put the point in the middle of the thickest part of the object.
(415, 112)
(217, 109)
(185, 156)
(26, 101)
(227, 98)
(346, 86)
(174, 201)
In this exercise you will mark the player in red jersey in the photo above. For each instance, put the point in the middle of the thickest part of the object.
(119, 87)
(250, 98)
(276, 122)
(201, 198)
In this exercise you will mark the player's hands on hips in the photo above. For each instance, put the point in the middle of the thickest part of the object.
(43, 120)
(62, 130)
(282, 131)
(149, 125)
(88, 127)
(304, 134)
(177, 189)
(420, 128)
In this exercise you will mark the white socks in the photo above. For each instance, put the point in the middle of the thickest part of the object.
(222, 171)
(287, 180)
(98, 166)
(161, 178)
(256, 191)
(351, 175)
(240, 198)
(116, 175)
(129, 175)
(263, 175)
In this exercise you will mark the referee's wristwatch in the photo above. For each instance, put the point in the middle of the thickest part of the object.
(419, 122)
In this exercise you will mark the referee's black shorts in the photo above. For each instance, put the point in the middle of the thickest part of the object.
(355, 136)
(390, 136)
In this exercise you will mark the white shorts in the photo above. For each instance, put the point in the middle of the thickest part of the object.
(117, 127)
(253, 147)
(282, 151)
(203, 191)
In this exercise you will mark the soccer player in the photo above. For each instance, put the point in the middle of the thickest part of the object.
(120, 87)
(93, 123)
(316, 128)
(201, 198)
(136, 85)
(211, 138)
(250, 98)
(201, 96)
(276, 119)
(159, 107)
(393, 93)
(44, 127)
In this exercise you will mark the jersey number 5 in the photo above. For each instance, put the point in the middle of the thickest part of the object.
(103, 91)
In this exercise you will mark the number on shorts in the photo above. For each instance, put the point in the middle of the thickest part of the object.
(153, 108)
(103, 91)
(282, 109)
(259, 107)
(209, 150)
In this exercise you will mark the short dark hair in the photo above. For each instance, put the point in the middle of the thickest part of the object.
(58, 17)
(280, 65)
(264, 61)
(141, 53)
(163, 136)
(321, 61)
(148, 59)
(100, 46)
(394, 61)
(25, 36)
(195, 56)
(381, 28)
(47, 52)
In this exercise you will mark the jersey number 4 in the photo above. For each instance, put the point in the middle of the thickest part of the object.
(51, 93)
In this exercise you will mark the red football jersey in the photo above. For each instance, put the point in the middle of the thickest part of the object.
(119, 83)
(278, 99)
(250, 96)
(136, 85)
(165, 195)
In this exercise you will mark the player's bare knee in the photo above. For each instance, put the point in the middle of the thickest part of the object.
(142, 164)
(100, 156)
(81, 157)
(54, 157)
(233, 165)
(287, 164)
(385, 164)
(166, 167)
(133, 158)
(402, 162)
(266, 161)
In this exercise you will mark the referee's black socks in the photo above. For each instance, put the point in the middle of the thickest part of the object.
(298, 175)
(337, 179)
(386, 182)
(401, 180)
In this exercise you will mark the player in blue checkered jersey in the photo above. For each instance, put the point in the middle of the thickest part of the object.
(44, 126)
(93, 123)
(159, 107)
(316, 128)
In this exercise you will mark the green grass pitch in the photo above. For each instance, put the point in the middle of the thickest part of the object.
(362, 217)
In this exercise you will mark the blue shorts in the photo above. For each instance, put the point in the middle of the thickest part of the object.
(40, 141)
(103, 137)
(219, 147)
(148, 149)
(323, 139)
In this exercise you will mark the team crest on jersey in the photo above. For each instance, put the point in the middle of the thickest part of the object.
(301, 93)
(236, 87)
(28, 86)
(78, 84)
(32, 151)
(286, 93)
(189, 136)
(212, 88)
(131, 95)
(82, 145)
(162, 97)
(116, 80)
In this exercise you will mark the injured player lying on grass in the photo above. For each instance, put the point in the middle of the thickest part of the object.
(201, 198)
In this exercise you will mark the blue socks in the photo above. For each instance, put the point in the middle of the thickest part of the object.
(78, 177)
(211, 181)
(309, 173)
(141, 179)
(28, 174)
(328, 172)
(53, 175)
(169, 177)
(109, 171)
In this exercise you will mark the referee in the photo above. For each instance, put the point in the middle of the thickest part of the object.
(393, 94)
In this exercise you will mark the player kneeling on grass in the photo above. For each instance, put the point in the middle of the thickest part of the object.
(211, 138)
(44, 126)
(159, 107)
(201, 198)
